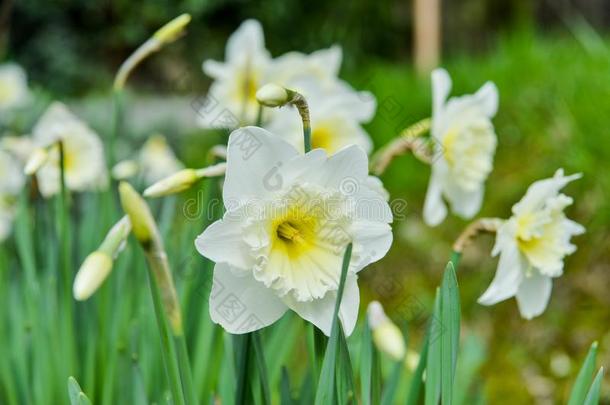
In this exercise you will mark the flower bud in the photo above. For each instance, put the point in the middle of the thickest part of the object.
(183, 180)
(142, 222)
(173, 29)
(37, 159)
(386, 335)
(91, 275)
(272, 95)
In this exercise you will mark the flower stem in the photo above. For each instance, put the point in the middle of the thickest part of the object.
(410, 139)
(242, 343)
(481, 225)
(185, 369)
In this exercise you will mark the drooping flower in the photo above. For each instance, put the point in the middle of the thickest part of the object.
(14, 92)
(157, 160)
(11, 183)
(465, 143)
(84, 162)
(289, 218)
(336, 116)
(532, 245)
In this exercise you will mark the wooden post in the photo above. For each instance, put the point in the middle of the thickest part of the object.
(427, 35)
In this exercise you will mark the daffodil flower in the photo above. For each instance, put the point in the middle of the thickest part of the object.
(14, 92)
(236, 80)
(11, 183)
(84, 162)
(465, 143)
(336, 117)
(157, 160)
(532, 245)
(289, 218)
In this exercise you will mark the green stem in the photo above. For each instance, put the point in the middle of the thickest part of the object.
(168, 350)
(307, 138)
(262, 367)
(185, 369)
(242, 343)
(117, 117)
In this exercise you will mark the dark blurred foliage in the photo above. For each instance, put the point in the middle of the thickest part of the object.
(74, 46)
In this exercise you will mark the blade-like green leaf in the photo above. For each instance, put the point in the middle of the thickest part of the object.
(450, 333)
(77, 396)
(389, 391)
(285, 391)
(326, 384)
(417, 379)
(433, 363)
(345, 375)
(262, 367)
(370, 373)
(585, 375)
(593, 394)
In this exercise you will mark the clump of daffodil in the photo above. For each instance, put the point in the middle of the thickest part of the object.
(386, 335)
(98, 265)
(14, 92)
(248, 66)
(144, 228)
(532, 245)
(464, 146)
(84, 163)
(167, 34)
(11, 184)
(183, 180)
(289, 218)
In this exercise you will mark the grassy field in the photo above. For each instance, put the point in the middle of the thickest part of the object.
(554, 103)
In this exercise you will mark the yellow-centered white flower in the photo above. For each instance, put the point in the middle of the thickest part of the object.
(465, 143)
(336, 117)
(84, 162)
(14, 92)
(386, 335)
(11, 183)
(157, 160)
(532, 245)
(289, 218)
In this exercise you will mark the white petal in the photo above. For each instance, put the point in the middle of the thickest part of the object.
(320, 312)
(372, 240)
(534, 294)
(508, 276)
(215, 69)
(487, 99)
(255, 161)
(541, 190)
(329, 59)
(435, 210)
(241, 304)
(441, 86)
(248, 38)
(347, 170)
(464, 203)
(223, 242)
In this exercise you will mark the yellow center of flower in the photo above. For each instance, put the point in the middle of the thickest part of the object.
(449, 145)
(307, 238)
(321, 138)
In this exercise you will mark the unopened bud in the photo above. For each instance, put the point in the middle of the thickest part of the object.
(173, 29)
(37, 159)
(183, 180)
(142, 222)
(386, 335)
(124, 169)
(272, 95)
(91, 275)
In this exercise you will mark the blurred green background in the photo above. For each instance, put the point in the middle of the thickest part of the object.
(550, 60)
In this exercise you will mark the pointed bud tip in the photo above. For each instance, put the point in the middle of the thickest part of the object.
(91, 275)
(173, 29)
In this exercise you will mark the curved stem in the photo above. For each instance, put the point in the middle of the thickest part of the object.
(481, 225)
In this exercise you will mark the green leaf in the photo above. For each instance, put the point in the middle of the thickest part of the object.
(417, 379)
(326, 384)
(370, 373)
(345, 376)
(433, 363)
(285, 391)
(390, 389)
(450, 333)
(77, 396)
(593, 394)
(261, 366)
(585, 375)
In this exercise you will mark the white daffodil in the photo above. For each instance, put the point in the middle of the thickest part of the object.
(14, 90)
(157, 160)
(336, 117)
(11, 183)
(84, 162)
(532, 245)
(289, 218)
(465, 143)
(232, 97)
(322, 66)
